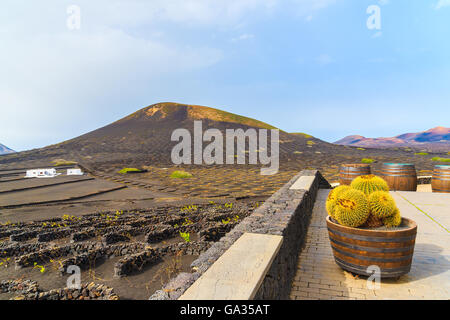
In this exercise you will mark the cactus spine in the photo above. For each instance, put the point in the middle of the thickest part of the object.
(381, 204)
(352, 208)
(369, 183)
(394, 220)
(332, 198)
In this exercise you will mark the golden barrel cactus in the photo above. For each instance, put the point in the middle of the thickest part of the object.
(369, 183)
(352, 208)
(332, 198)
(381, 203)
(394, 220)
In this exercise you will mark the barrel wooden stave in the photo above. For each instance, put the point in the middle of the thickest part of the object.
(348, 172)
(441, 179)
(399, 177)
(356, 249)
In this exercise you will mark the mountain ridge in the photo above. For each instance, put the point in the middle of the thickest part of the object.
(435, 139)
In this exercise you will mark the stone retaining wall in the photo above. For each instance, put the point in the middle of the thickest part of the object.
(287, 212)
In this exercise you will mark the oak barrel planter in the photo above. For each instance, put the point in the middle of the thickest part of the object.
(355, 249)
(441, 179)
(399, 176)
(348, 172)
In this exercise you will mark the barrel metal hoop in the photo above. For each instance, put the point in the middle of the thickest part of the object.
(397, 175)
(373, 239)
(376, 259)
(351, 173)
(441, 190)
(372, 249)
(385, 272)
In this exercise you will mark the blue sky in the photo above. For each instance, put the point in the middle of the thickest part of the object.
(302, 65)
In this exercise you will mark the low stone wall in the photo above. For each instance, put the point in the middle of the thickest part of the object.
(29, 290)
(287, 213)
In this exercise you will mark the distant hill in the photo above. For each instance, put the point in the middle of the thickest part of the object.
(144, 137)
(5, 150)
(436, 139)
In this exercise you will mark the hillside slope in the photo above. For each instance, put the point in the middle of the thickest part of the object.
(145, 136)
(5, 150)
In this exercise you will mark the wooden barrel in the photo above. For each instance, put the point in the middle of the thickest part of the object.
(400, 176)
(441, 179)
(348, 172)
(356, 249)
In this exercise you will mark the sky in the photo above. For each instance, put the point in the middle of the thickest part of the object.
(329, 68)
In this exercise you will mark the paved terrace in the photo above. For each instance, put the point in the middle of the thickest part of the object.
(318, 276)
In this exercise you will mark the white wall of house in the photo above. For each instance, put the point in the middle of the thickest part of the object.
(74, 172)
(41, 173)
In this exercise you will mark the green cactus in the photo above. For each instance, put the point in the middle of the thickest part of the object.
(369, 183)
(394, 220)
(381, 204)
(332, 197)
(352, 208)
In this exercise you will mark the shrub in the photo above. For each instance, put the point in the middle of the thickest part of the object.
(367, 160)
(59, 163)
(128, 170)
(180, 175)
(440, 159)
(362, 149)
(421, 153)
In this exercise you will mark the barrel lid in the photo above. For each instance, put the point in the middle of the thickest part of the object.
(398, 164)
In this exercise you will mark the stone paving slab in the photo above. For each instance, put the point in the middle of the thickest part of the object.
(303, 183)
(239, 272)
(319, 277)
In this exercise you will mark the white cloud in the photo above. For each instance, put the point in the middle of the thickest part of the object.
(54, 81)
(377, 34)
(192, 12)
(53, 85)
(306, 7)
(442, 4)
(245, 36)
(324, 59)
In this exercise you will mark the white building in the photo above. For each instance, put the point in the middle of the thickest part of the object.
(74, 172)
(41, 173)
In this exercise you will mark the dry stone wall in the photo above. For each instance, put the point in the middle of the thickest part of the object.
(287, 213)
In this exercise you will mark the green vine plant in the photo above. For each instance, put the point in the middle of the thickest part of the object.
(189, 209)
(186, 236)
(4, 262)
(37, 266)
(229, 205)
